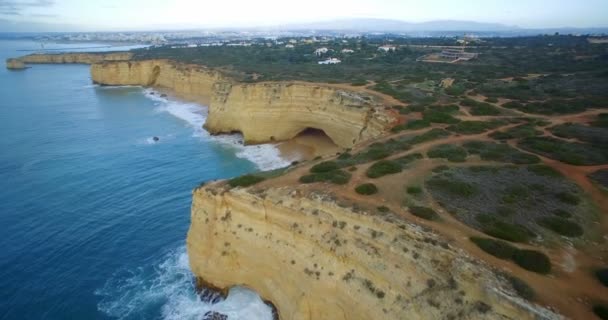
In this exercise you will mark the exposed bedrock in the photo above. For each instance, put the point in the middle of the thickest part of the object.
(317, 260)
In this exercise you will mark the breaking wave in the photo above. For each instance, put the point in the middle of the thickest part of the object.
(264, 156)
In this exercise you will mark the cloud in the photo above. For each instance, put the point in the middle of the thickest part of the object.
(16, 7)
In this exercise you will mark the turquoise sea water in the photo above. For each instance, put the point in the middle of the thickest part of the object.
(93, 212)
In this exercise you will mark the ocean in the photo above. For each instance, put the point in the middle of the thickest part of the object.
(93, 212)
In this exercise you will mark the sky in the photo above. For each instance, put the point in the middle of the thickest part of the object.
(101, 15)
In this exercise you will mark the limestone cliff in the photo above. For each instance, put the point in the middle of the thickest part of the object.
(315, 259)
(83, 58)
(15, 64)
(262, 112)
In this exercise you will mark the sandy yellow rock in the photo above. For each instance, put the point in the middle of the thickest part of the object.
(316, 260)
(83, 58)
(262, 112)
(15, 64)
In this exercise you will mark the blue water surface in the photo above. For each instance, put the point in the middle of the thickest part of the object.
(93, 213)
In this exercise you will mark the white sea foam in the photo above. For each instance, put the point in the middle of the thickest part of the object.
(264, 156)
(168, 288)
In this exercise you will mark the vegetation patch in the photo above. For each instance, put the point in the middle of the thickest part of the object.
(533, 261)
(382, 168)
(521, 287)
(602, 276)
(601, 310)
(474, 127)
(518, 132)
(481, 108)
(544, 170)
(561, 226)
(530, 260)
(366, 189)
(245, 181)
(424, 213)
(593, 135)
(491, 151)
(511, 202)
(324, 167)
(450, 152)
(437, 116)
(600, 177)
(569, 152)
(414, 190)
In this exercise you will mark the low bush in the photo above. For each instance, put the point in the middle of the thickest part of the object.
(561, 226)
(366, 189)
(532, 261)
(484, 109)
(569, 152)
(414, 190)
(568, 198)
(453, 186)
(439, 117)
(245, 181)
(492, 99)
(497, 248)
(448, 151)
(324, 167)
(602, 276)
(491, 151)
(521, 287)
(424, 213)
(382, 168)
(474, 127)
(601, 310)
(562, 213)
(507, 231)
(544, 170)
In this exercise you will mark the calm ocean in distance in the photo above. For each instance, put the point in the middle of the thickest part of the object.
(93, 212)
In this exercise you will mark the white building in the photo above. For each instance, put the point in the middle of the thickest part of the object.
(347, 51)
(387, 48)
(321, 51)
(330, 61)
(289, 46)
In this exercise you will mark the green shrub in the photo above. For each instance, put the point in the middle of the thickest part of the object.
(521, 287)
(366, 189)
(324, 167)
(562, 213)
(561, 226)
(497, 248)
(569, 152)
(245, 181)
(448, 151)
(568, 198)
(532, 261)
(491, 99)
(438, 117)
(601, 311)
(602, 276)
(424, 213)
(382, 168)
(414, 190)
(491, 151)
(344, 156)
(474, 127)
(453, 186)
(383, 209)
(417, 124)
(507, 231)
(544, 170)
(484, 109)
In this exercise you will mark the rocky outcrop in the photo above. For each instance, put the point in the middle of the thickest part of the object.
(82, 58)
(262, 112)
(315, 259)
(15, 64)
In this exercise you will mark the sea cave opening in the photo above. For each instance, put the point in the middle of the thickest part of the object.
(308, 144)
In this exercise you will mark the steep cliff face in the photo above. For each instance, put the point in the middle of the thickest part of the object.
(315, 259)
(262, 112)
(15, 64)
(190, 81)
(83, 58)
(279, 111)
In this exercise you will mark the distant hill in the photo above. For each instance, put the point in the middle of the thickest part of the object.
(385, 25)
